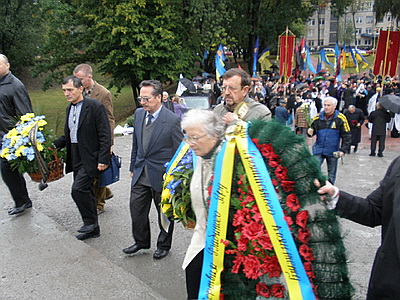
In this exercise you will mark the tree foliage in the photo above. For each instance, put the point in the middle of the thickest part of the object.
(383, 7)
(20, 31)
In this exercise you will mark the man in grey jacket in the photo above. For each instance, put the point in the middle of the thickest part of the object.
(14, 102)
(237, 103)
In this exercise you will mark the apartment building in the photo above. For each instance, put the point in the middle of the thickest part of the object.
(323, 29)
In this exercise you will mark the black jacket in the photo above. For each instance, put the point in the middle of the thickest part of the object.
(14, 102)
(379, 118)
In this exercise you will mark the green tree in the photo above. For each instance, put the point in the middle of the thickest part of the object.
(129, 40)
(382, 7)
(20, 31)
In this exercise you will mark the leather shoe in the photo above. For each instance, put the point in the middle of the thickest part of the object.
(87, 235)
(87, 228)
(19, 209)
(133, 249)
(160, 253)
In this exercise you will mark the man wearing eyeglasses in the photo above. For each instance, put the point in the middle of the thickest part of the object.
(237, 103)
(156, 137)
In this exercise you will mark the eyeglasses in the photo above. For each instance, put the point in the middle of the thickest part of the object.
(231, 88)
(193, 139)
(145, 99)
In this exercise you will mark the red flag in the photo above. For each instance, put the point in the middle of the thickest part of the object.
(387, 53)
(286, 55)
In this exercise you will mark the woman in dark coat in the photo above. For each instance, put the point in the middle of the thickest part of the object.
(355, 117)
(379, 118)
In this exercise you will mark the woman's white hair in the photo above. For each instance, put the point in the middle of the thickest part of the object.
(210, 122)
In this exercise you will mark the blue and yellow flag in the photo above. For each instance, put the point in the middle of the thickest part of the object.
(219, 62)
(255, 56)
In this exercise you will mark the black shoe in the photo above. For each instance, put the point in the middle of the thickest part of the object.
(87, 228)
(133, 249)
(372, 154)
(159, 254)
(87, 235)
(108, 197)
(19, 209)
(380, 155)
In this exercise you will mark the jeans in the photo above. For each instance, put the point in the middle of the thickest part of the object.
(332, 166)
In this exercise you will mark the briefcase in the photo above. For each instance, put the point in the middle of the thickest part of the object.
(111, 174)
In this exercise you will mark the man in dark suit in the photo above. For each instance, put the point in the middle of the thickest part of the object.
(381, 207)
(156, 138)
(87, 136)
(94, 90)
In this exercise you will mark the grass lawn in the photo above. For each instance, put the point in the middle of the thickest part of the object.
(52, 103)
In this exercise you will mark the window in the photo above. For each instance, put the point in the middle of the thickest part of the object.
(389, 18)
(311, 22)
(358, 42)
(321, 42)
(358, 30)
(368, 42)
(368, 30)
(359, 20)
(321, 21)
(369, 6)
(311, 32)
(369, 20)
(311, 43)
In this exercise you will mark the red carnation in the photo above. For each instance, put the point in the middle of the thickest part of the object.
(277, 290)
(309, 270)
(273, 160)
(242, 243)
(263, 290)
(251, 267)
(302, 218)
(252, 230)
(237, 263)
(281, 173)
(292, 201)
(306, 252)
(303, 235)
(274, 182)
(289, 220)
(241, 217)
(288, 186)
(271, 266)
(265, 241)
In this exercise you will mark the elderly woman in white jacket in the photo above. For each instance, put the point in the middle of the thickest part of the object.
(204, 132)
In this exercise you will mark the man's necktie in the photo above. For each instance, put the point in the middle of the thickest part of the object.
(149, 117)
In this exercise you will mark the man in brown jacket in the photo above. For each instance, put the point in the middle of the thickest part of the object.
(94, 90)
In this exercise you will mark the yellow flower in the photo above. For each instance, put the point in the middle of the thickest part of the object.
(40, 147)
(18, 152)
(14, 139)
(25, 130)
(168, 178)
(12, 132)
(4, 152)
(27, 117)
(165, 195)
(165, 208)
(41, 123)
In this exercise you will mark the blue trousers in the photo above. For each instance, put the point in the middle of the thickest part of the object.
(331, 162)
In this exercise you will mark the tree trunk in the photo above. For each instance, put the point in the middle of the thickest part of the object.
(135, 89)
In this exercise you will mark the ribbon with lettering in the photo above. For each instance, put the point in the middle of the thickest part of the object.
(298, 284)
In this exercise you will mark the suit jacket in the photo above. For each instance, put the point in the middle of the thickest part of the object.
(94, 137)
(104, 96)
(164, 141)
(381, 207)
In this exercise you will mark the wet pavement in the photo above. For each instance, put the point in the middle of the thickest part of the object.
(41, 258)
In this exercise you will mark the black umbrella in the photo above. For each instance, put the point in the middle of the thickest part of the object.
(188, 84)
(300, 85)
(391, 102)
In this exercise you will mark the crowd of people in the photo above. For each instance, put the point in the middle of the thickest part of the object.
(334, 112)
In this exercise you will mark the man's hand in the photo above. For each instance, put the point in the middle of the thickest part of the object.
(310, 131)
(101, 167)
(131, 174)
(329, 194)
(229, 117)
(341, 153)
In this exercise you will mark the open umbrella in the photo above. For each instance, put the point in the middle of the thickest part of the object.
(300, 85)
(188, 84)
(391, 102)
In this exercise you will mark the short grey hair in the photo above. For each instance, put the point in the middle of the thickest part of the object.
(4, 58)
(85, 68)
(212, 124)
(332, 99)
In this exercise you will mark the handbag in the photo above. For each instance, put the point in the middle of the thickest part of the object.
(111, 174)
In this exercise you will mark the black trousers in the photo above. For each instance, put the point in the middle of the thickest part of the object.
(142, 195)
(15, 183)
(193, 276)
(82, 190)
(381, 139)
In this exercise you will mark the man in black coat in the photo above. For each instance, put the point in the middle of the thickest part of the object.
(87, 136)
(379, 119)
(14, 103)
(156, 138)
(381, 207)
(355, 117)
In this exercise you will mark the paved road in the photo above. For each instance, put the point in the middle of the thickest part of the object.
(41, 259)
